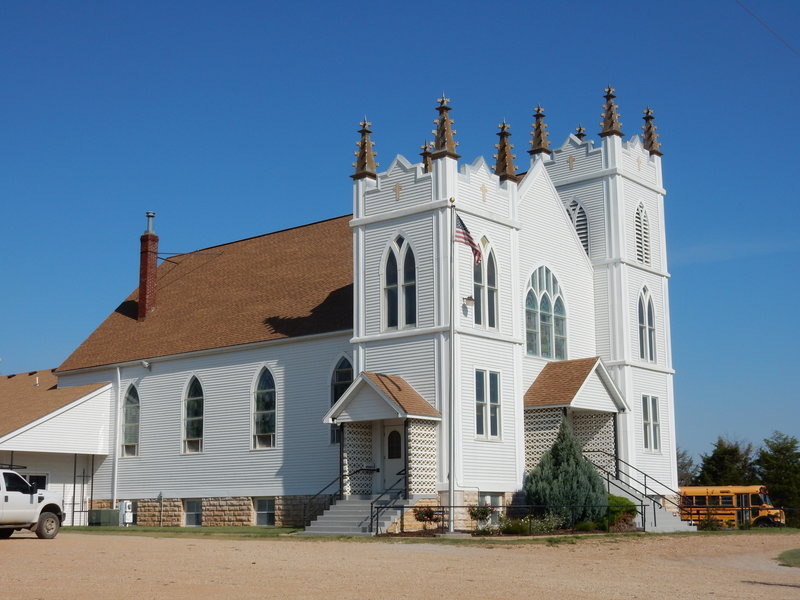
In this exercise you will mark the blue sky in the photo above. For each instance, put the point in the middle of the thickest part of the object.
(232, 119)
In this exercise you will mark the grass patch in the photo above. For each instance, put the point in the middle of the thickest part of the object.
(790, 558)
(230, 533)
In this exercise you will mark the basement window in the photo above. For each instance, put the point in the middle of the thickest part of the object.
(265, 511)
(192, 513)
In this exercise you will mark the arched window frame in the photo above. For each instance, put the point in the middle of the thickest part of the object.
(264, 423)
(341, 378)
(485, 289)
(399, 285)
(193, 417)
(545, 316)
(579, 220)
(131, 408)
(647, 326)
(642, 232)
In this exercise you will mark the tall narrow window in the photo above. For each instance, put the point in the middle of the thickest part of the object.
(400, 286)
(642, 232)
(545, 316)
(647, 327)
(578, 217)
(485, 289)
(487, 404)
(651, 423)
(130, 423)
(394, 445)
(264, 411)
(193, 418)
(340, 381)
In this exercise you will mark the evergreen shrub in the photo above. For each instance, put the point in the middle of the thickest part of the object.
(566, 482)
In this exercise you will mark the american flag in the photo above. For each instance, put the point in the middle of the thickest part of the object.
(463, 236)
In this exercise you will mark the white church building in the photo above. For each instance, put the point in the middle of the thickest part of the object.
(430, 343)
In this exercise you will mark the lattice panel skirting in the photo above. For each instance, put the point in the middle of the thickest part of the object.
(541, 429)
(357, 453)
(422, 448)
(595, 431)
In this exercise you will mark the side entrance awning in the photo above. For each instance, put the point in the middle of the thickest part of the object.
(583, 383)
(378, 396)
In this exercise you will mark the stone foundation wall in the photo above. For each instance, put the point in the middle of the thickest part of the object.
(234, 511)
(409, 523)
(152, 512)
(99, 504)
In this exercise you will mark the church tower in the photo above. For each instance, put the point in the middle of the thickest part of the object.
(614, 196)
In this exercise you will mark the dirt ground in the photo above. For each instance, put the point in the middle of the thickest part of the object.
(672, 567)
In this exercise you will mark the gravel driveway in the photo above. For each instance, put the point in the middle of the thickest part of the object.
(650, 567)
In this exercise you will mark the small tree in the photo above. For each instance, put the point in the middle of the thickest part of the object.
(564, 479)
(778, 467)
(730, 463)
(687, 470)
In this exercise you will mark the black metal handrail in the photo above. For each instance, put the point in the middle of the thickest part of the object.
(334, 495)
(375, 513)
(642, 483)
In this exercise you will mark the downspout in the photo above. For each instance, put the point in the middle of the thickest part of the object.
(114, 448)
(451, 461)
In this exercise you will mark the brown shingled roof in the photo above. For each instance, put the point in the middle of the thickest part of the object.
(22, 401)
(285, 284)
(559, 382)
(401, 392)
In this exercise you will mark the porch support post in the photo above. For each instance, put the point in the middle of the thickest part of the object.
(405, 455)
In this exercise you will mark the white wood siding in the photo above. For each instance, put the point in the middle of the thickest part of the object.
(635, 195)
(419, 231)
(637, 280)
(590, 195)
(303, 459)
(594, 395)
(488, 464)
(415, 189)
(548, 238)
(82, 428)
(657, 464)
(587, 160)
(366, 406)
(414, 360)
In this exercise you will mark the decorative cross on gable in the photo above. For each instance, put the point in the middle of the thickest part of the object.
(397, 187)
(483, 192)
(571, 161)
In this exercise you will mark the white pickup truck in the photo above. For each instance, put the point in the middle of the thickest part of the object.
(23, 506)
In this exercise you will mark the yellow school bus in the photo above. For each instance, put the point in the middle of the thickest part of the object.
(730, 505)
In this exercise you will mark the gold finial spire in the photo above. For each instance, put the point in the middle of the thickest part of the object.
(539, 141)
(443, 143)
(610, 124)
(580, 132)
(651, 143)
(426, 156)
(504, 167)
(365, 156)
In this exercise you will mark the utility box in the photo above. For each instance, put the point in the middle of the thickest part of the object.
(108, 517)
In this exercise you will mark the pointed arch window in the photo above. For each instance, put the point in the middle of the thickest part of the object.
(264, 411)
(400, 286)
(130, 423)
(485, 289)
(545, 316)
(340, 380)
(642, 232)
(578, 217)
(647, 327)
(193, 418)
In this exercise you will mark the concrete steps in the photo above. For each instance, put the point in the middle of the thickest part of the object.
(350, 517)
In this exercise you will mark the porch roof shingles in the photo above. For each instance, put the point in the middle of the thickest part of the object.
(559, 382)
(401, 392)
(285, 284)
(22, 401)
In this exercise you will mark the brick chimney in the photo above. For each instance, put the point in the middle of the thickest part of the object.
(148, 268)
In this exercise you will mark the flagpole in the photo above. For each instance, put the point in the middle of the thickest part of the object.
(451, 399)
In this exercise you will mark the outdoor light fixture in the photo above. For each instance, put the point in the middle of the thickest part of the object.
(469, 301)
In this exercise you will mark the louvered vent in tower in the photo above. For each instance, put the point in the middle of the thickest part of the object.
(578, 217)
(642, 236)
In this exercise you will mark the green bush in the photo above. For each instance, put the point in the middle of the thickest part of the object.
(621, 509)
(480, 513)
(426, 514)
(566, 482)
(530, 524)
(585, 526)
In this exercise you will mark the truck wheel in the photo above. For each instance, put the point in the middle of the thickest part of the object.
(48, 526)
(763, 523)
(5, 533)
